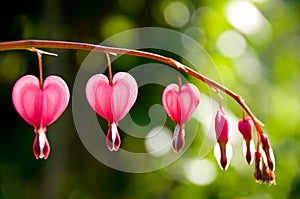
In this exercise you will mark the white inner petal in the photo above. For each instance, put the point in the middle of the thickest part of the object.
(42, 140)
(113, 133)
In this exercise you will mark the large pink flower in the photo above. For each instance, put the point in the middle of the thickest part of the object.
(180, 103)
(40, 107)
(112, 101)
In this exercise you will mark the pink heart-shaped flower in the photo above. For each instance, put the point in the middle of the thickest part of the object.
(180, 104)
(40, 107)
(112, 102)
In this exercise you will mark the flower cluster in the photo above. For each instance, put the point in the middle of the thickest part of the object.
(263, 154)
(40, 103)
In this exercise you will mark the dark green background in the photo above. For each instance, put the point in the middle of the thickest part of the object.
(71, 172)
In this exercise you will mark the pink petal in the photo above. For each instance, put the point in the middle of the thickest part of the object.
(189, 98)
(171, 102)
(55, 99)
(40, 107)
(180, 105)
(99, 95)
(125, 91)
(27, 99)
(245, 127)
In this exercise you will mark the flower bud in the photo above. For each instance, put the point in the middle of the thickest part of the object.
(245, 127)
(224, 153)
(262, 172)
(268, 151)
(221, 126)
(257, 171)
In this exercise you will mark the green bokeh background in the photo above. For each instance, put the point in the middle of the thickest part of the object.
(271, 90)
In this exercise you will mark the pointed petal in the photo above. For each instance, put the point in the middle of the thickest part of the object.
(41, 147)
(124, 94)
(55, 99)
(178, 138)
(189, 98)
(27, 99)
(223, 154)
(248, 150)
(171, 103)
(113, 140)
(268, 151)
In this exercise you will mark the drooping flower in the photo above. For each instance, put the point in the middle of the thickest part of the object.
(180, 103)
(40, 106)
(223, 149)
(245, 127)
(112, 101)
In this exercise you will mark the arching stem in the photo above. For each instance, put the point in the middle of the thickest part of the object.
(29, 44)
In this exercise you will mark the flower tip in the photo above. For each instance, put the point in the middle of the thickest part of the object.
(41, 147)
(223, 154)
(248, 150)
(178, 138)
(113, 140)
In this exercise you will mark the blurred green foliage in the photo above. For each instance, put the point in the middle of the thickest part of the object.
(262, 64)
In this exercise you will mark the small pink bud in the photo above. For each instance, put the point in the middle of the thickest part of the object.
(224, 153)
(245, 127)
(222, 126)
(268, 151)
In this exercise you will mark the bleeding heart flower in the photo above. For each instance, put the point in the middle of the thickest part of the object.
(180, 103)
(112, 101)
(40, 107)
(223, 153)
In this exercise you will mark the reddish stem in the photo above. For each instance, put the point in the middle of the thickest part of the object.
(179, 81)
(109, 69)
(30, 44)
(39, 55)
